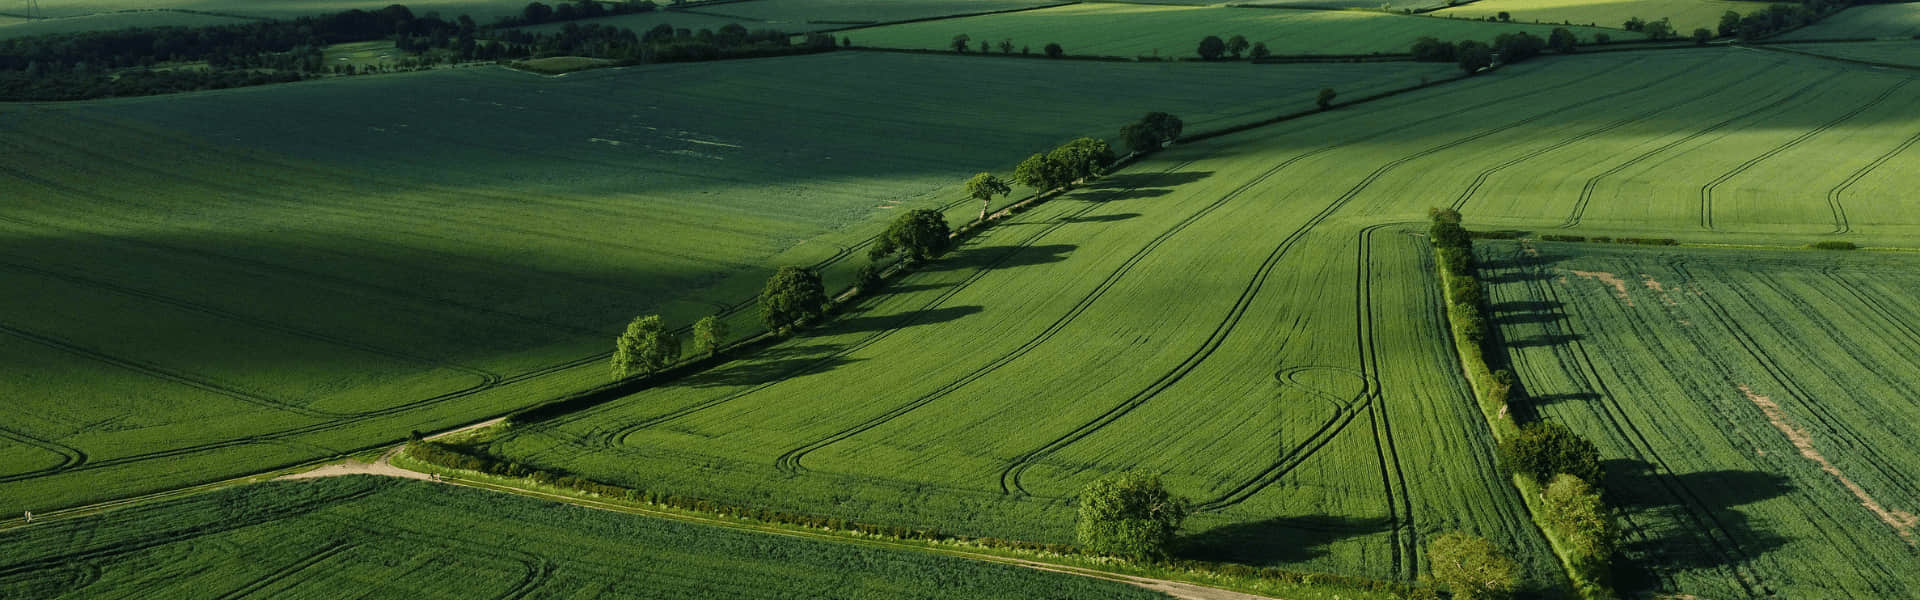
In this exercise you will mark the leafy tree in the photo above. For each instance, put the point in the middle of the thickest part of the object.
(1325, 101)
(1634, 24)
(645, 347)
(1083, 158)
(1658, 30)
(1006, 46)
(1544, 449)
(1041, 172)
(868, 277)
(1025, 50)
(983, 187)
(1474, 56)
(1151, 132)
(1504, 17)
(709, 333)
(1429, 49)
(1576, 511)
(1260, 50)
(1130, 515)
(1053, 50)
(536, 13)
(1516, 47)
(1237, 45)
(792, 295)
(921, 233)
(1563, 40)
(1472, 568)
(1730, 24)
(960, 43)
(1211, 47)
(984, 48)
(1601, 38)
(1702, 35)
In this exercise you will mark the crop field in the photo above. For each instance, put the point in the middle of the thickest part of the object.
(830, 12)
(481, 10)
(1754, 406)
(210, 289)
(1870, 21)
(939, 404)
(1175, 31)
(679, 19)
(1389, 5)
(13, 28)
(1685, 15)
(1905, 53)
(390, 539)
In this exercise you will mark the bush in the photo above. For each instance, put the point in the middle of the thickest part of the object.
(1467, 293)
(1555, 237)
(1834, 245)
(1584, 523)
(1129, 515)
(921, 233)
(792, 295)
(868, 278)
(1053, 51)
(1472, 568)
(1544, 449)
(645, 347)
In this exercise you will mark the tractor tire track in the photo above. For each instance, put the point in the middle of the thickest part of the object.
(165, 374)
(1840, 222)
(1586, 191)
(1010, 477)
(70, 456)
(1403, 535)
(1706, 191)
(325, 552)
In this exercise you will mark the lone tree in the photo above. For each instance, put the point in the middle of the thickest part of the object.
(1237, 45)
(1152, 132)
(1006, 46)
(1130, 515)
(791, 295)
(1053, 50)
(1472, 568)
(983, 187)
(1041, 172)
(645, 347)
(1504, 16)
(922, 234)
(1260, 50)
(1211, 47)
(960, 43)
(1701, 36)
(1544, 449)
(1326, 98)
(708, 334)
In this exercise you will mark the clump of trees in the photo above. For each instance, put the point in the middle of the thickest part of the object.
(1655, 30)
(1472, 55)
(1129, 515)
(1563, 40)
(792, 296)
(1586, 527)
(1077, 160)
(1776, 18)
(1213, 48)
(1545, 449)
(1152, 132)
(921, 233)
(644, 348)
(709, 334)
(1472, 568)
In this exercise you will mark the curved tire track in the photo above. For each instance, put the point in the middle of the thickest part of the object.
(1706, 191)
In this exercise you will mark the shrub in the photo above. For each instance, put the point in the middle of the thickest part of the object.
(921, 233)
(1472, 568)
(792, 294)
(645, 347)
(1544, 449)
(1555, 237)
(1584, 523)
(1834, 245)
(1129, 515)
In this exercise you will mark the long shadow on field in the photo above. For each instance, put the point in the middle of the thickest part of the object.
(1122, 194)
(1124, 181)
(1688, 521)
(1101, 218)
(1545, 340)
(905, 319)
(975, 256)
(1275, 541)
(769, 364)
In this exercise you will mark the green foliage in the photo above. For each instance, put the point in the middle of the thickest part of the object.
(1042, 172)
(1053, 50)
(1834, 245)
(1129, 515)
(960, 43)
(869, 278)
(1584, 523)
(1430, 49)
(645, 347)
(1260, 50)
(1546, 448)
(983, 187)
(1083, 158)
(1472, 568)
(792, 296)
(1237, 45)
(1151, 132)
(1325, 100)
(1563, 40)
(709, 334)
(1516, 47)
(921, 233)
(1211, 47)
(1473, 56)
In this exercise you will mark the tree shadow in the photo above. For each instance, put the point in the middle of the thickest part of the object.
(902, 320)
(1698, 528)
(1122, 194)
(1100, 218)
(1121, 181)
(1515, 306)
(1274, 541)
(1556, 339)
(915, 287)
(1527, 317)
(998, 257)
(1566, 397)
(765, 370)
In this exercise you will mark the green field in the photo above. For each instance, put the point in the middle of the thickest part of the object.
(1685, 15)
(376, 538)
(1905, 53)
(1175, 31)
(1754, 406)
(14, 28)
(1870, 21)
(695, 21)
(217, 289)
(861, 11)
(484, 11)
(1199, 307)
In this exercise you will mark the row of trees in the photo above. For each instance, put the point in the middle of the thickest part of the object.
(648, 346)
(1077, 160)
(1212, 48)
(1473, 55)
(961, 42)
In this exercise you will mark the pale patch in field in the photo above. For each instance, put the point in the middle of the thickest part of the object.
(1902, 522)
(1619, 286)
(1659, 290)
(604, 141)
(1527, 247)
(720, 144)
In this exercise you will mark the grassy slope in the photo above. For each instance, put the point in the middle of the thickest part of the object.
(1874, 21)
(1685, 15)
(852, 11)
(1175, 31)
(108, 21)
(979, 396)
(1662, 373)
(695, 21)
(394, 539)
(481, 10)
(1905, 53)
(210, 277)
